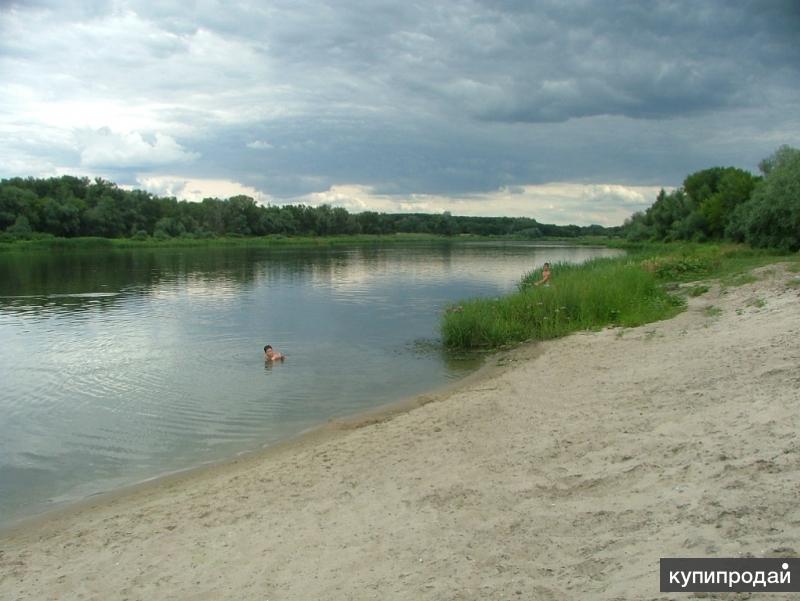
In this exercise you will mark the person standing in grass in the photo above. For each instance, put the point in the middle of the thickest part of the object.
(545, 276)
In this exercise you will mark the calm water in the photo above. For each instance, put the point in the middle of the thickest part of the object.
(121, 366)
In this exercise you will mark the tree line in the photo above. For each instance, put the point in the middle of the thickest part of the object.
(71, 206)
(716, 204)
(729, 204)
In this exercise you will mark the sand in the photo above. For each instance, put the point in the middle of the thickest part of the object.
(564, 474)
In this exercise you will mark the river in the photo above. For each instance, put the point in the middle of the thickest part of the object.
(120, 366)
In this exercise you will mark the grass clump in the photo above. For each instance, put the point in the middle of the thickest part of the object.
(739, 279)
(756, 302)
(698, 290)
(591, 295)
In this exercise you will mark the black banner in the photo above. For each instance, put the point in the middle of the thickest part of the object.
(689, 575)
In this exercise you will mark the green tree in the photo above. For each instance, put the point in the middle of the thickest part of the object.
(14, 201)
(214, 216)
(733, 187)
(62, 218)
(239, 214)
(105, 218)
(344, 222)
(666, 212)
(370, 222)
(21, 228)
(168, 227)
(771, 218)
(446, 225)
(637, 229)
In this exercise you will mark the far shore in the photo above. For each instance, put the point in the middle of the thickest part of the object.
(564, 470)
(45, 243)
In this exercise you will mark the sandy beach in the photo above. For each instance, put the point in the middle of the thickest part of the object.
(564, 473)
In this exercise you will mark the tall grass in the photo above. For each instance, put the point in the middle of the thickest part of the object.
(626, 291)
(591, 295)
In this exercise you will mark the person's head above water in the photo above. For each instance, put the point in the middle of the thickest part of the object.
(271, 355)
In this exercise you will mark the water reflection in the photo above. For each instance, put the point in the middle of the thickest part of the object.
(118, 366)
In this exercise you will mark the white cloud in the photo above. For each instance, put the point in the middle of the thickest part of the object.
(105, 149)
(196, 189)
(560, 203)
(260, 145)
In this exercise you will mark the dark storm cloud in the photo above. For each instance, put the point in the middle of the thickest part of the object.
(446, 98)
(641, 60)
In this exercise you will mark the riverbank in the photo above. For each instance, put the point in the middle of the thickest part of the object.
(565, 475)
(46, 243)
(49, 243)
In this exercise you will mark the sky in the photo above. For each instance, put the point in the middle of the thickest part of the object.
(567, 112)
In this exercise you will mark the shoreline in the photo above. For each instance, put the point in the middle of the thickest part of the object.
(310, 436)
(566, 473)
(268, 242)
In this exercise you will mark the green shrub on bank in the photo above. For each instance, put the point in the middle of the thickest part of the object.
(591, 295)
(680, 267)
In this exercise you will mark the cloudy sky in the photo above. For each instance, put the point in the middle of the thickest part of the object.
(569, 112)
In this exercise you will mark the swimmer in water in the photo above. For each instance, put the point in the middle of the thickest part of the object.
(272, 355)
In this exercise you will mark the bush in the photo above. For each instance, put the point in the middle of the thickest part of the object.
(680, 267)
